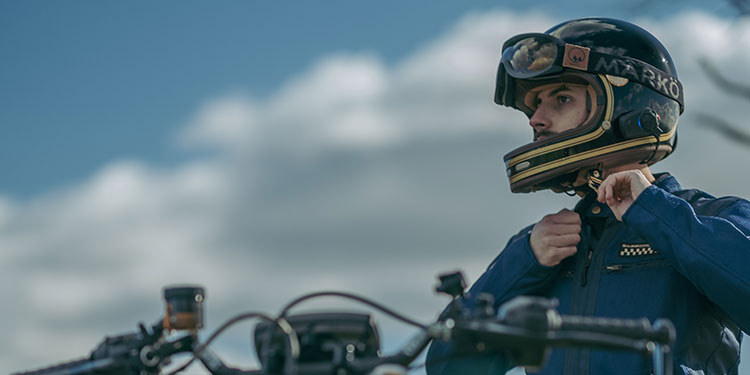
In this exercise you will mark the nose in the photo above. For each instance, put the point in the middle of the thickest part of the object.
(540, 120)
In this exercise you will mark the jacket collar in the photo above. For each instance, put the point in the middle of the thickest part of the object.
(667, 182)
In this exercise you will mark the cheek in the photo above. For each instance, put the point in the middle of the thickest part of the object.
(582, 115)
(572, 119)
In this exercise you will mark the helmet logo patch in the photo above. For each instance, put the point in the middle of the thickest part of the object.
(576, 57)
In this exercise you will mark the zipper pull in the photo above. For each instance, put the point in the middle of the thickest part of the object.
(615, 267)
(584, 275)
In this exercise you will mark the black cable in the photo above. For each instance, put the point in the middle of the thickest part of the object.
(656, 148)
(363, 300)
(216, 333)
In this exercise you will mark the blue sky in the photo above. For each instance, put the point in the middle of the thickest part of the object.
(86, 83)
(89, 82)
(267, 149)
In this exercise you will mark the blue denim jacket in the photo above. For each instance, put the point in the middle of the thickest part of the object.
(678, 254)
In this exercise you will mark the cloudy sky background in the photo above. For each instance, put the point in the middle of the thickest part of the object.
(264, 151)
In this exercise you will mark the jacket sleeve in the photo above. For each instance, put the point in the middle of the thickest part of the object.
(514, 272)
(713, 252)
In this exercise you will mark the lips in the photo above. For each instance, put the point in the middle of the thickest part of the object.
(538, 136)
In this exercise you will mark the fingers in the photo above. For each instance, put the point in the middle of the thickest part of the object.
(609, 195)
(622, 191)
(622, 185)
(606, 189)
(561, 229)
(567, 251)
(557, 255)
(555, 237)
(564, 216)
(550, 242)
(619, 190)
(564, 240)
(565, 222)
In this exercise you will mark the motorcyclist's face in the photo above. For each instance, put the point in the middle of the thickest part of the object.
(559, 107)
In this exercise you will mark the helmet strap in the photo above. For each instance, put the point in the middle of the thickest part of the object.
(593, 180)
(595, 177)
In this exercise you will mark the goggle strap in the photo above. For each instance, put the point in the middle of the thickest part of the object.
(637, 71)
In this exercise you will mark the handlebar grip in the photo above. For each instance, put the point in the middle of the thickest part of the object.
(631, 328)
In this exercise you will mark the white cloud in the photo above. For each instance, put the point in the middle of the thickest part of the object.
(355, 175)
(223, 123)
(6, 211)
(337, 102)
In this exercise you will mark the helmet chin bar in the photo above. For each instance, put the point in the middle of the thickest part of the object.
(563, 179)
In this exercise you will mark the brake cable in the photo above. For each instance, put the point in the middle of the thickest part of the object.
(280, 322)
(354, 297)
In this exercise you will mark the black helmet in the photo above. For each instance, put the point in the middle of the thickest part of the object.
(633, 97)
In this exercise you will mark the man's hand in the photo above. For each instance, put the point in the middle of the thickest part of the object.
(555, 237)
(619, 190)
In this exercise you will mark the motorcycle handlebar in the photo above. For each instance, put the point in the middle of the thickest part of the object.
(529, 324)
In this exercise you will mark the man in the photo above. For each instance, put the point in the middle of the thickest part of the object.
(603, 100)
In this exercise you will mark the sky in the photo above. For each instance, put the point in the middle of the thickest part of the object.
(265, 150)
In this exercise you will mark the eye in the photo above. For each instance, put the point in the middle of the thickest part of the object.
(562, 99)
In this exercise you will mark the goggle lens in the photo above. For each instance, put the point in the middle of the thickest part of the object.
(530, 56)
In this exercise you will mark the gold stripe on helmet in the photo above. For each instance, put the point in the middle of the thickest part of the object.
(589, 154)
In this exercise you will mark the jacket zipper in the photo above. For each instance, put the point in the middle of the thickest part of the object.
(623, 267)
(584, 274)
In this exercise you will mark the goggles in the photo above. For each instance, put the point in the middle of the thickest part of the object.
(534, 55)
